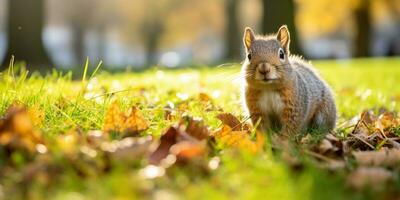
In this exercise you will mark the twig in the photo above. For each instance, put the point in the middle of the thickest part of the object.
(365, 142)
(317, 155)
(241, 122)
(359, 121)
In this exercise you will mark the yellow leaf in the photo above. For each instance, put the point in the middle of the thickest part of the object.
(135, 121)
(114, 119)
(131, 122)
(239, 139)
(36, 115)
(204, 97)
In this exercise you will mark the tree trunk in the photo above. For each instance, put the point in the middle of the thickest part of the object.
(25, 25)
(277, 13)
(363, 29)
(232, 33)
(79, 43)
(153, 28)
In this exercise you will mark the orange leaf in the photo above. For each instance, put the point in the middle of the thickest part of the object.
(239, 139)
(186, 150)
(204, 97)
(114, 119)
(17, 130)
(36, 115)
(135, 121)
(132, 122)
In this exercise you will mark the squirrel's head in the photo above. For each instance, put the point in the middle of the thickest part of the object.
(267, 57)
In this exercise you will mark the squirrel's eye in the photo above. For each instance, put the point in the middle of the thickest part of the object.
(249, 56)
(281, 54)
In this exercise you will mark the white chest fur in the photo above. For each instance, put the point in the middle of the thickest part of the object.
(270, 102)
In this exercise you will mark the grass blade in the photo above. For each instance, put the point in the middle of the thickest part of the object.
(97, 68)
(85, 70)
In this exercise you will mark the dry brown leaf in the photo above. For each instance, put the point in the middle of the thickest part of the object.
(166, 141)
(230, 120)
(184, 143)
(197, 129)
(385, 122)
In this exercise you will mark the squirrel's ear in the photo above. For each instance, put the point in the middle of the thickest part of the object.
(248, 37)
(283, 36)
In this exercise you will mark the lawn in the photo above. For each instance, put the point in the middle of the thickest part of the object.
(76, 107)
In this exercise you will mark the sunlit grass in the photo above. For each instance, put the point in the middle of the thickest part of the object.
(358, 85)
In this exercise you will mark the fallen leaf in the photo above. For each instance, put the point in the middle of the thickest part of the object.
(183, 142)
(114, 119)
(135, 121)
(239, 139)
(204, 97)
(168, 139)
(130, 123)
(17, 130)
(36, 114)
(230, 120)
(386, 122)
(196, 128)
(185, 150)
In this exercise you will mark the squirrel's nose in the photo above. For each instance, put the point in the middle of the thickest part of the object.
(263, 68)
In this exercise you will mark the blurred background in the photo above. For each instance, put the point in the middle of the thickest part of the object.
(173, 33)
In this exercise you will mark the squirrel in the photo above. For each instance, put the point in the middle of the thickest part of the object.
(284, 93)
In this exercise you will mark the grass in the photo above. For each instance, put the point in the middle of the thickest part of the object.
(358, 84)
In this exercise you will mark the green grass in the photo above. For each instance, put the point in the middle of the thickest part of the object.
(358, 84)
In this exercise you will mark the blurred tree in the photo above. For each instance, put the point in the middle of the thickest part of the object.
(277, 13)
(153, 25)
(25, 25)
(394, 13)
(152, 28)
(362, 38)
(80, 16)
(232, 32)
